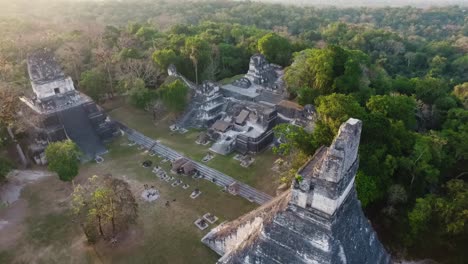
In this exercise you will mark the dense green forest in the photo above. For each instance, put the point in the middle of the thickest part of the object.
(403, 71)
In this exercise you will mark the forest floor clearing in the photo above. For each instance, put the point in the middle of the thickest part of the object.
(44, 231)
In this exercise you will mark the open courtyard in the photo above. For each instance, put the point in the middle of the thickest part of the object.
(39, 227)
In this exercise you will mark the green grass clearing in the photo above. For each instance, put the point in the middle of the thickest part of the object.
(231, 79)
(51, 227)
(168, 233)
(258, 175)
(162, 234)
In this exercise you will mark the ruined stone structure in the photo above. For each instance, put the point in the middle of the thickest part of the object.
(293, 113)
(205, 108)
(263, 82)
(47, 79)
(64, 112)
(260, 71)
(244, 127)
(249, 108)
(319, 220)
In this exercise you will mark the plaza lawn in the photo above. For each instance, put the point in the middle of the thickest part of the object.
(168, 233)
(231, 79)
(163, 234)
(258, 175)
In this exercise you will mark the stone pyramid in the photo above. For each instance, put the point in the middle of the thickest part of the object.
(319, 220)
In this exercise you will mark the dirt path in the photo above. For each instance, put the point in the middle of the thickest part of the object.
(16, 180)
(14, 209)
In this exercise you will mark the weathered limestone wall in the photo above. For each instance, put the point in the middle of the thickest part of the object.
(229, 237)
(231, 242)
(343, 152)
(327, 205)
(47, 89)
(329, 176)
(260, 70)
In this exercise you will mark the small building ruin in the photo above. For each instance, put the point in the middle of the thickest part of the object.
(177, 164)
(233, 188)
(188, 168)
(183, 166)
(64, 112)
(319, 220)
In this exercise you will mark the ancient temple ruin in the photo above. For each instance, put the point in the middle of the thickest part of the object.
(319, 220)
(248, 127)
(240, 116)
(64, 112)
(263, 82)
(206, 106)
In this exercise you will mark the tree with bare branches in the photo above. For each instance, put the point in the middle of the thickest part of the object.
(144, 69)
(9, 105)
(106, 57)
(72, 56)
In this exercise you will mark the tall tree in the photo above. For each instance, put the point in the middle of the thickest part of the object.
(335, 109)
(396, 107)
(63, 158)
(144, 69)
(233, 60)
(106, 57)
(443, 219)
(198, 50)
(455, 130)
(163, 58)
(276, 49)
(93, 82)
(140, 96)
(429, 89)
(9, 105)
(292, 137)
(461, 92)
(174, 95)
(72, 55)
(328, 70)
(105, 206)
(460, 67)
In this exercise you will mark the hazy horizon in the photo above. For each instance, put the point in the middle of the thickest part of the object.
(316, 3)
(369, 3)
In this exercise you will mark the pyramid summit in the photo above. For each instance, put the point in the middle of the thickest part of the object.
(319, 220)
(63, 111)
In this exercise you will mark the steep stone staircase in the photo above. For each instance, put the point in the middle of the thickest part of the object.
(79, 129)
